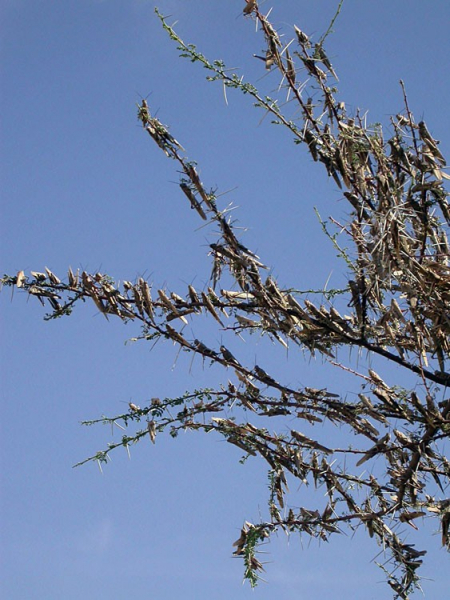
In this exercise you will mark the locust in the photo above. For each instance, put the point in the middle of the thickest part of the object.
(263, 376)
(229, 358)
(143, 113)
(192, 199)
(302, 38)
(319, 54)
(249, 7)
(203, 349)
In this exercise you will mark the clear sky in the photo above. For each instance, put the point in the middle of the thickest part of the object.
(82, 185)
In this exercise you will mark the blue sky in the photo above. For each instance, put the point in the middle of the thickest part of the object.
(82, 185)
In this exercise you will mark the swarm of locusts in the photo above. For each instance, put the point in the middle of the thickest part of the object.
(397, 309)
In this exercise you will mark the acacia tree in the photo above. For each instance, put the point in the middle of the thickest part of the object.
(394, 307)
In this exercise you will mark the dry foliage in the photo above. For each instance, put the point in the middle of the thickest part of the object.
(398, 308)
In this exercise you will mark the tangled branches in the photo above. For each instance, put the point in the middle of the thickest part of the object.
(398, 296)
